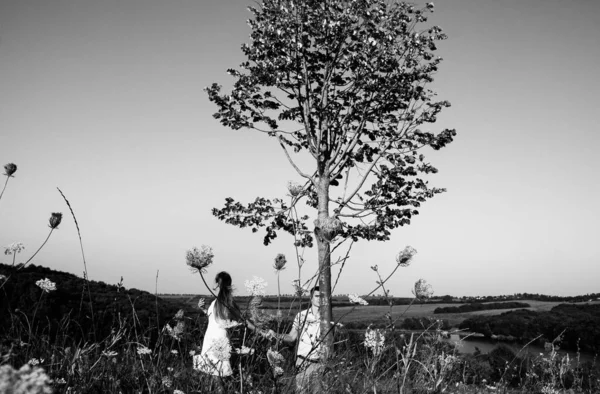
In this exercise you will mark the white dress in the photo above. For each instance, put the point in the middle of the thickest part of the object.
(216, 348)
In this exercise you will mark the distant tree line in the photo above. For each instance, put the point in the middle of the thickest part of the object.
(472, 307)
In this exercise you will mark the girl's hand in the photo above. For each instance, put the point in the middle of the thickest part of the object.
(201, 303)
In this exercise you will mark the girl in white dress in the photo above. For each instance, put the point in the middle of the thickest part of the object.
(223, 313)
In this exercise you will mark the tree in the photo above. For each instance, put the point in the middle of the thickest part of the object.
(345, 82)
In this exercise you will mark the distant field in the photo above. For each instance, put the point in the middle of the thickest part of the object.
(376, 313)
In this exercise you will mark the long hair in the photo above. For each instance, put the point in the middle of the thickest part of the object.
(225, 307)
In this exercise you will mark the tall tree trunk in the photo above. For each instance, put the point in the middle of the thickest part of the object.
(324, 268)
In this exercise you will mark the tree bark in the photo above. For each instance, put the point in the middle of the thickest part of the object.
(324, 249)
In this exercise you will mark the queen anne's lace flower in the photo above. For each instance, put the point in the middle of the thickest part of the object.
(199, 259)
(141, 350)
(405, 256)
(25, 380)
(256, 286)
(374, 340)
(355, 299)
(422, 290)
(221, 349)
(46, 285)
(14, 248)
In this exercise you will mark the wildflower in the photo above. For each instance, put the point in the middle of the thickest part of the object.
(2, 277)
(10, 169)
(295, 189)
(14, 248)
(199, 259)
(170, 369)
(55, 220)
(25, 380)
(430, 6)
(276, 360)
(422, 290)
(192, 353)
(340, 325)
(179, 315)
(174, 351)
(221, 349)
(374, 340)
(141, 350)
(178, 392)
(279, 262)
(167, 382)
(256, 286)
(46, 285)
(175, 332)
(355, 299)
(61, 381)
(245, 350)
(201, 303)
(35, 361)
(109, 353)
(405, 256)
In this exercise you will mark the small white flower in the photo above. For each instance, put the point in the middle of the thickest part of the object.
(192, 353)
(141, 350)
(174, 351)
(61, 381)
(14, 248)
(167, 382)
(46, 285)
(170, 369)
(2, 277)
(109, 353)
(374, 340)
(256, 286)
(221, 349)
(178, 392)
(355, 299)
(34, 361)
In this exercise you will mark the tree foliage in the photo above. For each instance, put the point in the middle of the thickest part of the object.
(345, 82)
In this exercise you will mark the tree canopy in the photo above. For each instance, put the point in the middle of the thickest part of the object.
(345, 82)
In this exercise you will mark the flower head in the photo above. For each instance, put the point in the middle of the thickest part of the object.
(294, 189)
(167, 382)
(422, 289)
(14, 248)
(179, 315)
(221, 349)
(405, 256)
(46, 285)
(199, 259)
(141, 350)
(55, 220)
(256, 287)
(245, 350)
(276, 360)
(355, 299)
(178, 392)
(109, 353)
(25, 380)
(10, 169)
(374, 340)
(2, 277)
(279, 262)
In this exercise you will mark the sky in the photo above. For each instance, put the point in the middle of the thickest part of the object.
(104, 99)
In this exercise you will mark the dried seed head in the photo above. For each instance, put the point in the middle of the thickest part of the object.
(279, 262)
(405, 256)
(10, 169)
(294, 189)
(55, 220)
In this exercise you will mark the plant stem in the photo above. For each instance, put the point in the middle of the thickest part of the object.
(5, 183)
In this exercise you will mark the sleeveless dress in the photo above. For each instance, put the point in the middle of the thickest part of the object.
(214, 359)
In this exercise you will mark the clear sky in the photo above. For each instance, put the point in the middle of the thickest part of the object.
(105, 100)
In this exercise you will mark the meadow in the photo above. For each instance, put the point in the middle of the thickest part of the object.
(64, 334)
